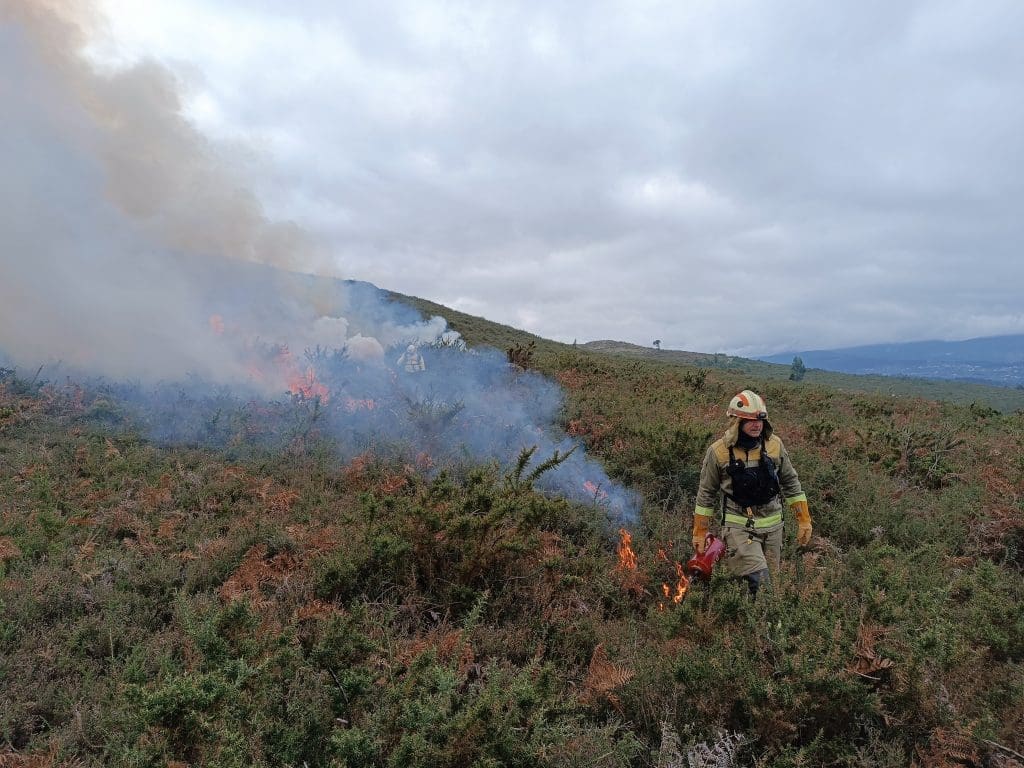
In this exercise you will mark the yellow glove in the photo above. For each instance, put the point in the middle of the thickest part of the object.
(803, 521)
(700, 531)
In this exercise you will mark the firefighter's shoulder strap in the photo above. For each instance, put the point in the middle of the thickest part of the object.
(724, 453)
(772, 449)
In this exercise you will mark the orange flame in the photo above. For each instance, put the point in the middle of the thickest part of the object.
(305, 384)
(299, 382)
(682, 585)
(627, 557)
(217, 324)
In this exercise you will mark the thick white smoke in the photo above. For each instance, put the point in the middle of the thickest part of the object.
(104, 187)
(133, 248)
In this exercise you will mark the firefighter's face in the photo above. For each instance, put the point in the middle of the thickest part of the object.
(752, 427)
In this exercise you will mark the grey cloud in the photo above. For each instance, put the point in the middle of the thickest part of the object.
(827, 153)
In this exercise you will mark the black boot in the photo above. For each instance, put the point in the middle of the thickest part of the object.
(755, 580)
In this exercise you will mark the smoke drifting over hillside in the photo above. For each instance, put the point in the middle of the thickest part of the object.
(133, 249)
(104, 186)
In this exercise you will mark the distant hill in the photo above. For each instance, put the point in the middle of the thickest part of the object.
(680, 357)
(995, 360)
(957, 390)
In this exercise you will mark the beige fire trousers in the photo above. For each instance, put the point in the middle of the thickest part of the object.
(749, 551)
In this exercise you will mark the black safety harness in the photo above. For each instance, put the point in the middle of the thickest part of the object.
(751, 486)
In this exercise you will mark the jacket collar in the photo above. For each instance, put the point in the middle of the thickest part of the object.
(732, 434)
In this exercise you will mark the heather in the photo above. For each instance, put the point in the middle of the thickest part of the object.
(297, 600)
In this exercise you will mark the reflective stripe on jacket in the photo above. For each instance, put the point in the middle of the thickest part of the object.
(715, 480)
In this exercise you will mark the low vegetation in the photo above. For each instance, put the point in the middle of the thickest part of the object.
(1002, 399)
(179, 606)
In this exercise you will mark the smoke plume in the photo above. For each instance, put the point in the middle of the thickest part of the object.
(133, 249)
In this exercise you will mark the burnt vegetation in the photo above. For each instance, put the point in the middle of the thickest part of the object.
(243, 592)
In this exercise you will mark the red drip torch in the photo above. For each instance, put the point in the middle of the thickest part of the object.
(700, 566)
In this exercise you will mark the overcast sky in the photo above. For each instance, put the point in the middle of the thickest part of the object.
(748, 177)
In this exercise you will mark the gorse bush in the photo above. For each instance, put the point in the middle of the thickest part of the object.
(239, 601)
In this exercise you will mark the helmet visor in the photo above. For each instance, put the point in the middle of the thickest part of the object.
(759, 416)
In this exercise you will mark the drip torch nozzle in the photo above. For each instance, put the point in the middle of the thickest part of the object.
(700, 566)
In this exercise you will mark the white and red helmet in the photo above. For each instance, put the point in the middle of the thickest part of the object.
(747, 405)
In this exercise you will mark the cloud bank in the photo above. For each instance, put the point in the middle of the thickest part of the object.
(724, 176)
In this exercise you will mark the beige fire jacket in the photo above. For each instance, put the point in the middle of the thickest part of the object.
(714, 480)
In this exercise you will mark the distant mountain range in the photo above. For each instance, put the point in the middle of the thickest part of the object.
(991, 359)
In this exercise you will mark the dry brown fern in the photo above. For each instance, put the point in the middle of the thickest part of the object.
(45, 760)
(354, 473)
(603, 677)
(550, 546)
(159, 495)
(314, 610)
(449, 645)
(948, 748)
(255, 571)
(280, 503)
(868, 663)
(392, 484)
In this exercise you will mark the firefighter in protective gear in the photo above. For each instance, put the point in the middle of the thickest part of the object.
(751, 470)
(412, 360)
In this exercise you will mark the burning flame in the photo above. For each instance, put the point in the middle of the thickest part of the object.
(678, 592)
(682, 584)
(217, 324)
(300, 382)
(628, 563)
(296, 380)
(305, 384)
(627, 557)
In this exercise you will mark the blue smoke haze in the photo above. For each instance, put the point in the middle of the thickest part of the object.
(134, 252)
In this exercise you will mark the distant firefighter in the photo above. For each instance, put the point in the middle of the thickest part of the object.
(412, 360)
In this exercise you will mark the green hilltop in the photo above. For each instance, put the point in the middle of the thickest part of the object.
(1004, 399)
(481, 332)
(184, 606)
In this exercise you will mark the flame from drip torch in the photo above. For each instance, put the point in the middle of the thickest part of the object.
(678, 592)
(682, 584)
(627, 557)
(628, 562)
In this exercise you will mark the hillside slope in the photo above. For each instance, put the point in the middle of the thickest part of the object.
(480, 331)
(1003, 399)
(239, 604)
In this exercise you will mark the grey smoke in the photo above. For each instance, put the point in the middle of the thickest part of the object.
(132, 249)
(104, 184)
